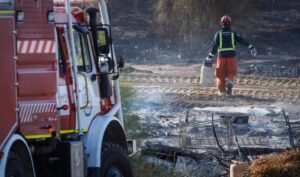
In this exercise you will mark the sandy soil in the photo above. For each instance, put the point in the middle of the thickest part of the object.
(180, 85)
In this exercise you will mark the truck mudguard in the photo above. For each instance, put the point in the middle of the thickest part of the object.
(13, 139)
(103, 128)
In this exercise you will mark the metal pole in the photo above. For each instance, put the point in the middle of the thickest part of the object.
(290, 132)
(116, 83)
(74, 62)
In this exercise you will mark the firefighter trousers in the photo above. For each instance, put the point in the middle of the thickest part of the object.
(226, 69)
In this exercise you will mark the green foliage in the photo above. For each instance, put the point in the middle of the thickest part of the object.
(133, 127)
(143, 169)
(128, 97)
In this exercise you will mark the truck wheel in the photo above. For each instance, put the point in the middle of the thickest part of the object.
(14, 166)
(115, 162)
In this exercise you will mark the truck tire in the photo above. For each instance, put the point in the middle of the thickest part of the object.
(115, 162)
(14, 166)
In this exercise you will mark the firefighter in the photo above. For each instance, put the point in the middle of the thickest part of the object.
(225, 44)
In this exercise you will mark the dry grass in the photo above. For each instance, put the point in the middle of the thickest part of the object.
(189, 17)
(286, 164)
(192, 23)
(141, 168)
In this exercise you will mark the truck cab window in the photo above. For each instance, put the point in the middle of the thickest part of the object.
(82, 52)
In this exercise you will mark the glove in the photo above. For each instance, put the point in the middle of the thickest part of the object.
(253, 52)
(208, 62)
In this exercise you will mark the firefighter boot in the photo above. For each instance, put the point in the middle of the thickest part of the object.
(229, 85)
(221, 93)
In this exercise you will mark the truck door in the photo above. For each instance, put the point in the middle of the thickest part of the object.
(89, 99)
(8, 116)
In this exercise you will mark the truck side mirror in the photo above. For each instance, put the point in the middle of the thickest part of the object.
(120, 61)
(106, 64)
(103, 41)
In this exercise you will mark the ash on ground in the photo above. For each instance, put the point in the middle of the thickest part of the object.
(207, 139)
(273, 70)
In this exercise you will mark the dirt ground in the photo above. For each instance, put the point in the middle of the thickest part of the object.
(179, 85)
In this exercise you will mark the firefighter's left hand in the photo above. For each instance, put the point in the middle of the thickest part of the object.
(253, 52)
(208, 62)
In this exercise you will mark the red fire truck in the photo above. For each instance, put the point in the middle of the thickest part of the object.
(60, 111)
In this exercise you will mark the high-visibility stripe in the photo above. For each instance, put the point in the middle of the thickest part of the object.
(232, 40)
(76, 1)
(24, 49)
(41, 44)
(28, 110)
(49, 135)
(221, 40)
(68, 131)
(47, 47)
(72, 131)
(211, 54)
(7, 12)
(226, 49)
(35, 46)
(28, 48)
(221, 49)
(250, 46)
(38, 136)
(31, 50)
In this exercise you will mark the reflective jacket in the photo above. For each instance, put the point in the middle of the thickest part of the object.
(225, 43)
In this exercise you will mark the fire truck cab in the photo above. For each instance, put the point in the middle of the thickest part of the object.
(60, 111)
